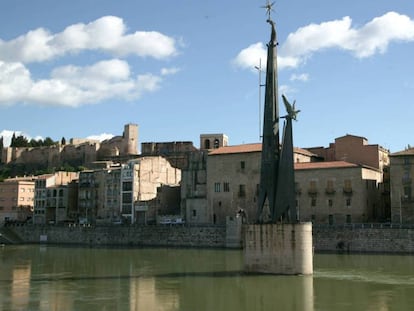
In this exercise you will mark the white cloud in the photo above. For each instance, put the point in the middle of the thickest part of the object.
(74, 86)
(299, 77)
(8, 134)
(169, 71)
(106, 34)
(100, 137)
(373, 37)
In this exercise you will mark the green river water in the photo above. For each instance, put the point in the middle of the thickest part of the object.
(44, 278)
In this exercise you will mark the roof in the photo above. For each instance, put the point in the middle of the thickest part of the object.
(406, 152)
(256, 147)
(324, 165)
(245, 148)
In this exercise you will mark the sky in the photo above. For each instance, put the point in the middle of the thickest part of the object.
(178, 69)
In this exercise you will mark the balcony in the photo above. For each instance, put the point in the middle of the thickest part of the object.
(348, 190)
(312, 191)
(330, 191)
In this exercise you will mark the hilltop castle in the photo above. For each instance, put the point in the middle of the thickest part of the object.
(77, 152)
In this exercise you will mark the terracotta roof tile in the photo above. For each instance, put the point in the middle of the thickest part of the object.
(323, 165)
(407, 152)
(256, 147)
(237, 149)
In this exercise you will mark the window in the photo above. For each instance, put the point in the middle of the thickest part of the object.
(194, 213)
(331, 219)
(127, 186)
(242, 165)
(407, 192)
(330, 203)
(330, 186)
(348, 219)
(217, 187)
(348, 202)
(127, 197)
(216, 143)
(312, 187)
(347, 186)
(207, 144)
(226, 187)
(313, 202)
(242, 190)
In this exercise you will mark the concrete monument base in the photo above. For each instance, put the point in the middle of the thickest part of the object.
(279, 249)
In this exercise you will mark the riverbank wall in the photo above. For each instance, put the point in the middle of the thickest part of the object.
(365, 238)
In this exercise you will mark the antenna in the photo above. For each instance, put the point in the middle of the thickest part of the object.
(259, 69)
(269, 8)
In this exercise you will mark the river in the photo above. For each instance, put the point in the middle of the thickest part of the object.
(47, 278)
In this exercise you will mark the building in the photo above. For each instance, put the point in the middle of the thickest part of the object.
(225, 182)
(337, 192)
(53, 197)
(401, 187)
(233, 174)
(16, 199)
(354, 149)
(79, 152)
(140, 179)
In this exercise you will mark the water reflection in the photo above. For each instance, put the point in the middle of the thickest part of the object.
(54, 278)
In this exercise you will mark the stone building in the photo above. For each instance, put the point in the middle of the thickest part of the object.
(16, 199)
(176, 152)
(337, 192)
(53, 197)
(226, 182)
(233, 174)
(354, 149)
(79, 152)
(126, 193)
(401, 189)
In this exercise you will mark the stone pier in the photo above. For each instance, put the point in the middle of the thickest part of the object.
(279, 249)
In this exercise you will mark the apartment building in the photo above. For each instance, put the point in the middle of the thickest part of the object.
(401, 188)
(16, 199)
(52, 197)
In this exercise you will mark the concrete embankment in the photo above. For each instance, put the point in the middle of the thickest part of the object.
(348, 238)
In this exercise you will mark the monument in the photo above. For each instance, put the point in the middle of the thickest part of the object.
(278, 243)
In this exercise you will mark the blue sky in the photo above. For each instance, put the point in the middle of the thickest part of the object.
(180, 68)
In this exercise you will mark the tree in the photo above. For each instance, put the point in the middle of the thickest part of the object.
(13, 139)
(48, 142)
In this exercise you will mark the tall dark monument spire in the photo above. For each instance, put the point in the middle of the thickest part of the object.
(276, 189)
(270, 144)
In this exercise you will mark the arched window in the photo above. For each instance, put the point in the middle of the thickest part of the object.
(207, 144)
(216, 143)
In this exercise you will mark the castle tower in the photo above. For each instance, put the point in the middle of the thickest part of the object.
(131, 138)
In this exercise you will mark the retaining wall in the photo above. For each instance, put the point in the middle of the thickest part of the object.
(363, 238)
(177, 236)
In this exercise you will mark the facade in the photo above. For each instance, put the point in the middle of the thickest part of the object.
(194, 190)
(78, 152)
(53, 197)
(213, 141)
(231, 185)
(401, 189)
(125, 193)
(16, 200)
(354, 149)
(140, 179)
(233, 174)
(176, 152)
(99, 195)
(337, 192)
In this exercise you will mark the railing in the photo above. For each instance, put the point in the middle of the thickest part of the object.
(365, 226)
